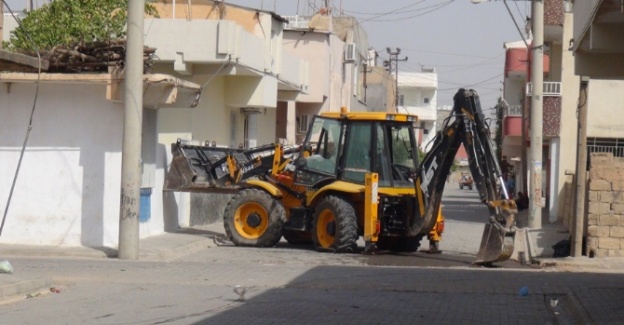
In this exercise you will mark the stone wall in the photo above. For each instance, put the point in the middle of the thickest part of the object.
(605, 206)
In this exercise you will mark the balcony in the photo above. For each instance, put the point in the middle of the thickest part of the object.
(516, 63)
(512, 121)
(598, 39)
(551, 107)
(550, 89)
(553, 20)
(512, 126)
(296, 22)
(513, 110)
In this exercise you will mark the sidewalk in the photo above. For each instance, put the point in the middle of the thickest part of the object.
(536, 246)
(156, 248)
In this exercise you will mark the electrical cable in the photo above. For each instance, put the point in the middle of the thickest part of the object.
(30, 122)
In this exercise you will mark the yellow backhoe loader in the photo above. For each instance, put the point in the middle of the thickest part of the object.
(356, 174)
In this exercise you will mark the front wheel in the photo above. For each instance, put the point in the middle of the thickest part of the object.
(334, 226)
(254, 218)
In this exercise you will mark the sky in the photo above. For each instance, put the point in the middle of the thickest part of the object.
(461, 40)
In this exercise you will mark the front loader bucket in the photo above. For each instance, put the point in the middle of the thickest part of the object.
(495, 246)
(196, 168)
(202, 168)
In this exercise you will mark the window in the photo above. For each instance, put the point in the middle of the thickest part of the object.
(325, 142)
(426, 100)
(303, 123)
(357, 159)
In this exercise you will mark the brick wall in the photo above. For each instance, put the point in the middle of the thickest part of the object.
(605, 206)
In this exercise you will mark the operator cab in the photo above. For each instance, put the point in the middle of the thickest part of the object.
(347, 148)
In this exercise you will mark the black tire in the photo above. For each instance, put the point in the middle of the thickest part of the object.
(254, 218)
(334, 226)
(461, 187)
(408, 244)
(295, 237)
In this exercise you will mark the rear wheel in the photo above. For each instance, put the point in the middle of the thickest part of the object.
(254, 218)
(334, 226)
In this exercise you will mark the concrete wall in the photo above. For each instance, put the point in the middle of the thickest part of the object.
(605, 207)
(380, 90)
(67, 192)
(314, 48)
(606, 101)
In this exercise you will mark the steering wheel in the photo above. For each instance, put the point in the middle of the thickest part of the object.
(402, 173)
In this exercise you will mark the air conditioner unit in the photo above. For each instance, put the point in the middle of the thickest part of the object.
(350, 53)
(303, 123)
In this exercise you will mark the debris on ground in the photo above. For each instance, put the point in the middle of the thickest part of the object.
(6, 267)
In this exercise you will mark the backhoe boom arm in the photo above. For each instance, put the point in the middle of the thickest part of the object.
(466, 125)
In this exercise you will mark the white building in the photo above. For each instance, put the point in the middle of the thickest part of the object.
(254, 84)
(262, 78)
(69, 182)
(418, 96)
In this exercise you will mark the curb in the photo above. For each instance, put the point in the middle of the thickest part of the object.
(24, 287)
(42, 251)
(177, 251)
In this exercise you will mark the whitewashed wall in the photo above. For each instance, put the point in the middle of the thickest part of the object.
(68, 188)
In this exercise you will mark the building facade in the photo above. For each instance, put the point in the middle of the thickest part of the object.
(418, 96)
(67, 192)
(559, 106)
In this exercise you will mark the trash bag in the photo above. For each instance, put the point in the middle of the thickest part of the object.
(562, 248)
(6, 267)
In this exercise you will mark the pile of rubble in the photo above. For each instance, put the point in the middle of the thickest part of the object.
(93, 57)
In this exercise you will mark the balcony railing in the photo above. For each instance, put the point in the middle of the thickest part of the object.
(514, 110)
(296, 22)
(550, 89)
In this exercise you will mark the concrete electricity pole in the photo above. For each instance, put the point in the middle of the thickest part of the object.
(537, 112)
(581, 173)
(131, 151)
(393, 66)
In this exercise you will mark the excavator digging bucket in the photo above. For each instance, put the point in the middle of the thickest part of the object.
(495, 245)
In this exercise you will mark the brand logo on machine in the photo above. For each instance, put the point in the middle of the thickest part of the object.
(428, 175)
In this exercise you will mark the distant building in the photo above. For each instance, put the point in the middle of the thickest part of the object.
(418, 93)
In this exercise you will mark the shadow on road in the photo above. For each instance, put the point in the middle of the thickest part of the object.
(347, 295)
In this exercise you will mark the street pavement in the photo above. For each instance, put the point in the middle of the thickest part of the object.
(189, 277)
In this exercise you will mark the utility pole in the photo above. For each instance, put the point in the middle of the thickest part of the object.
(581, 173)
(1, 24)
(131, 151)
(537, 112)
(392, 66)
(364, 73)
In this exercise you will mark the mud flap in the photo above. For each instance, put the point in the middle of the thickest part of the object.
(495, 246)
